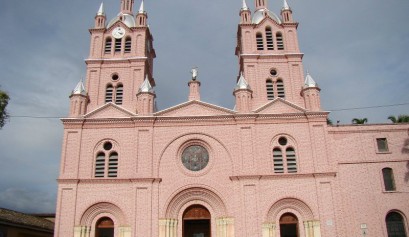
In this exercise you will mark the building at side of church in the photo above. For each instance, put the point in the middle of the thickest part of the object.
(270, 167)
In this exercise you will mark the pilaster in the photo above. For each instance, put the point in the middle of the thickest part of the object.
(225, 227)
(269, 230)
(168, 227)
(312, 228)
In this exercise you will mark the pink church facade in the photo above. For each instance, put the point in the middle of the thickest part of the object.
(270, 167)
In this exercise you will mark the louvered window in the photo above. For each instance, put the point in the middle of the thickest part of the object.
(108, 45)
(109, 93)
(118, 45)
(291, 160)
(100, 165)
(259, 40)
(278, 161)
(280, 89)
(269, 37)
(128, 45)
(280, 43)
(270, 90)
(119, 95)
(388, 179)
(113, 165)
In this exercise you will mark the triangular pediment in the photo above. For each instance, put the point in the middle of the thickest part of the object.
(279, 106)
(267, 21)
(110, 110)
(194, 108)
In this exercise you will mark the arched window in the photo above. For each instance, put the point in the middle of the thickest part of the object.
(100, 165)
(119, 94)
(278, 161)
(280, 89)
(270, 89)
(128, 44)
(106, 163)
(289, 225)
(388, 179)
(104, 227)
(395, 225)
(284, 156)
(291, 160)
(113, 165)
(269, 38)
(108, 45)
(280, 42)
(259, 41)
(109, 93)
(118, 45)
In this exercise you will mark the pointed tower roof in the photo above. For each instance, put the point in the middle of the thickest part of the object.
(242, 83)
(146, 86)
(309, 81)
(286, 6)
(79, 89)
(101, 11)
(141, 8)
(244, 7)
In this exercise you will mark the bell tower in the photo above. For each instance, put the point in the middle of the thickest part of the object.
(269, 55)
(121, 57)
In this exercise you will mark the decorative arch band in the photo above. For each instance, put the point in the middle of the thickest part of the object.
(195, 194)
(91, 213)
(290, 203)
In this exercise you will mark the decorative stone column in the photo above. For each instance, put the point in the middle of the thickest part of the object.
(82, 231)
(124, 231)
(168, 227)
(269, 230)
(312, 228)
(225, 227)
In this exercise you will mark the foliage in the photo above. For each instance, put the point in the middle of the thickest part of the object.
(403, 118)
(329, 121)
(359, 121)
(4, 100)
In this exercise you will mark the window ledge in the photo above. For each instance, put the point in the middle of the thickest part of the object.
(394, 191)
(383, 152)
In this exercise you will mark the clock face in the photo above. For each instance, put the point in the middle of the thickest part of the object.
(118, 32)
(195, 158)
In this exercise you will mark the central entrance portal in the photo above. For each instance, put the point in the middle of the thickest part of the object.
(196, 222)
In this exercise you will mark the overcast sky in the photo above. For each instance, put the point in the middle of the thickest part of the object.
(357, 51)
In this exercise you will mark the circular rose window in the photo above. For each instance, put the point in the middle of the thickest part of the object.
(195, 158)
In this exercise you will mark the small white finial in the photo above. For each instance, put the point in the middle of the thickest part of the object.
(286, 6)
(79, 89)
(244, 5)
(141, 8)
(242, 83)
(194, 73)
(146, 86)
(309, 81)
(101, 11)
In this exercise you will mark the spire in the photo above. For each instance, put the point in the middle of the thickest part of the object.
(79, 89)
(101, 11)
(141, 8)
(309, 81)
(146, 86)
(286, 6)
(242, 83)
(244, 7)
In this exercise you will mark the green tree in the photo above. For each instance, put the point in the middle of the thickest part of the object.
(4, 100)
(359, 121)
(403, 118)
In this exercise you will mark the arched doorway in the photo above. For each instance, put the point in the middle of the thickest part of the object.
(104, 227)
(196, 221)
(395, 225)
(289, 225)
